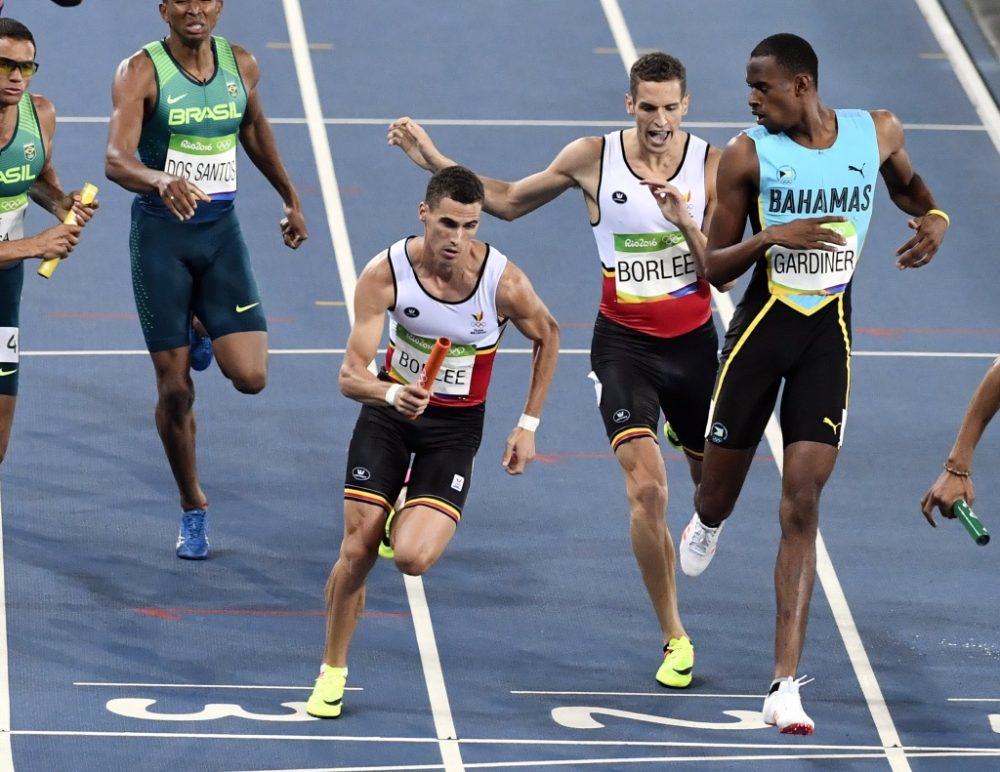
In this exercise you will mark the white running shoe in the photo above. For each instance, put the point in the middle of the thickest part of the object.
(783, 708)
(698, 545)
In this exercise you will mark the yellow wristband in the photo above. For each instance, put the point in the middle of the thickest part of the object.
(943, 215)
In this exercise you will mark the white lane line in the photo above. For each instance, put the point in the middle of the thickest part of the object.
(506, 741)
(972, 82)
(562, 351)
(607, 763)
(536, 123)
(6, 754)
(658, 695)
(974, 699)
(830, 583)
(434, 677)
(444, 725)
(620, 32)
(321, 151)
(113, 685)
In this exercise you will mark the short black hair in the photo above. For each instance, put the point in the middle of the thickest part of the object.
(792, 53)
(457, 183)
(13, 29)
(657, 67)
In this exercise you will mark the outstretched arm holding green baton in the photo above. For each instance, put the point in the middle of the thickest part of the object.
(953, 493)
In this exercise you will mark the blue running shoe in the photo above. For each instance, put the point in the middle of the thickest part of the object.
(192, 543)
(201, 349)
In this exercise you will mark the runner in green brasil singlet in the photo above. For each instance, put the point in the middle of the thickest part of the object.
(194, 130)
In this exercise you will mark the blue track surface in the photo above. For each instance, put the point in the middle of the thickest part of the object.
(546, 642)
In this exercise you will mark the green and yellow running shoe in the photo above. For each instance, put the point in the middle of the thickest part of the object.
(678, 662)
(327, 698)
(671, 436)
(385, 548)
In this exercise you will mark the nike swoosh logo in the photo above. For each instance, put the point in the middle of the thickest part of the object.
(8, 372)
(241, 309)
(174, 99)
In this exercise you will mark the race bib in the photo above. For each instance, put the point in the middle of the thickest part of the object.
(814, 271)
(9, 349)
(653, 266)
(208, 162)
(409, 356)
(12, 211)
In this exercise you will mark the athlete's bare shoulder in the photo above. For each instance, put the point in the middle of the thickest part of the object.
(582, 155)
(43, 106)
(46, 114)
(136, 69)
(247, 63)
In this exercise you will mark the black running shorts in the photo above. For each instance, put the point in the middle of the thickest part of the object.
(638, 375)
(810, 353)
(443, 442)
(180, 268)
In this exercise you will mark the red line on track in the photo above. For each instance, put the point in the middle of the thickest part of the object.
(895, 332)
(174, 614)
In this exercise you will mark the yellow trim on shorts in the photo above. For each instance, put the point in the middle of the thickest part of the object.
(804, 311)
(736, 349)
(367, 497)
(847, 362)
(631, 433)
(440, 505)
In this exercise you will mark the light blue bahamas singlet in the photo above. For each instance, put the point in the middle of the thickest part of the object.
(797, 182)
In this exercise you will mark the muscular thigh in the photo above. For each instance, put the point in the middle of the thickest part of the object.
(688, 366)
(226, 296)
(377, 457)
(753, 363)
(162, 252)
(814, 401)
(443, 455)
(638, 376)
(628, 394)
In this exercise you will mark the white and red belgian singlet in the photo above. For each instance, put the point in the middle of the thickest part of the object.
(418, 319)
(650, 284)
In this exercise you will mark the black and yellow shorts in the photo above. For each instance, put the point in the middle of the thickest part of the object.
(810, 353)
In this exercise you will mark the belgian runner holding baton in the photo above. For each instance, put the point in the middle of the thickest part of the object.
(442, 283)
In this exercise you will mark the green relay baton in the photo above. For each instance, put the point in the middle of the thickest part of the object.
(972, 524)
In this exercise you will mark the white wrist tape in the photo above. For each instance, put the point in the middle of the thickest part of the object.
(390, 395)
(528, 422)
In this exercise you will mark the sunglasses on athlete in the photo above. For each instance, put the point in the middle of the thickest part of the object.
(27, 69)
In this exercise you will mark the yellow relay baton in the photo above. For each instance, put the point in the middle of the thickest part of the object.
(87, 196)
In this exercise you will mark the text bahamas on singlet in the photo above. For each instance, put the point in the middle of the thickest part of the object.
(819, 201)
